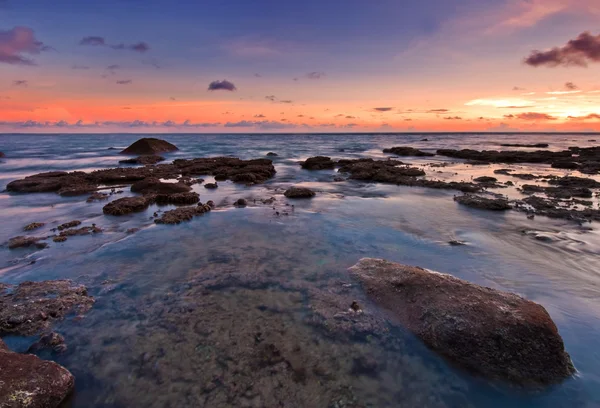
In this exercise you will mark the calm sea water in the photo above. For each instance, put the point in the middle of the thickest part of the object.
(183, 313)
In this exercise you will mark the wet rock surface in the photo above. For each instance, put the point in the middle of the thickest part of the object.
(299, 192)
(179, 215)
(31, 307)
(26, 242)
(483, 203)
(407, 151)
(318, 163)
(496, 334)
(28, 381)
(153, 185)
(127, 205)
(33, 226)
(145, 160)
(177, 199)
(150, 146)
(69, 224)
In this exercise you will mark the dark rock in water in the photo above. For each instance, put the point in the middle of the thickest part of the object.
(210, 203)
(572, 181)
(407, 151)
(153, 185)
(26, 242)
(536, 145)
(33, 226)
(241, 203)
(179, 215)
(97, 196)
(59, 238)
(552, 208)
(211, 186)
(495, 334)
(299, 192)
(28, 381)
(271, 154)
(52, 341)
(558, 192)
(127, 205)
(31, 307)
(424, 140)
(503, 171)
(150, 146)
(493, 204)
(318, 163)
(338, 179)
(355, 306)
(132, 230)
(509, 183)
(177, 199)
(2, 155)
(456, 242)
(69, 224)
(145, 160)
(494, 156)
(486, 179)
(565, 164)
(79, 231)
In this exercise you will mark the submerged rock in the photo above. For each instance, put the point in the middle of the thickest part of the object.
(179, 215)
(97, 196)
(127, 205)
(145, 160)
(69, 224)
(495, 334)
(52, 341)
(318, 163)
(299, 192)
(28, 381)
(407, 151)
(26, 242)
(33, 226)
(150, 146)
(31, 307)
(494, 204)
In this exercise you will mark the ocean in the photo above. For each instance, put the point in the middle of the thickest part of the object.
(217, 311)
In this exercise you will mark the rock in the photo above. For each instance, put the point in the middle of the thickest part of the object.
(272, 154)
(241, 203)
(210, 203)
(59, 238)
(150, 146)
(318, 163)
(495, 334)
(456, 242)
(503, 171)
(299, 192)
(179, 215)
(31, 307)
(493, 204)
(33, 226)
(52, 341)
(177, 199)
(69, 224)
(572, 181)
(28, 381)
(97, 196)
(338, 179)
(145, 160)
(153, 185)
(26, 242)
(486, 179)
(132, 230)
(565, 164)
(407, 151)
(79, 231)
(536, 145)
(2, 155)
(127, 205)
(211, 186)
(494, 156)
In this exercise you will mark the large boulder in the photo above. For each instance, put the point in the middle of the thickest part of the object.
(28, 381)
(496, 334)
(318, 163)
(150, 146)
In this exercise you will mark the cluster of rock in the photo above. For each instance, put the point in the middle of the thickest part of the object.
(407, 151)
(495, 334)
(65, 230)
(179, 215)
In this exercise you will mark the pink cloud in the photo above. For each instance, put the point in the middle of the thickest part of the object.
(18, 41)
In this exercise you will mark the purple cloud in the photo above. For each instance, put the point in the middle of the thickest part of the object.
(571, 86)
(386, 109)
(223, 85)
(315, 75)
(139, 47)
(453, 118)
(20, 82)
(579, 52)
(80, 67)
(18, 41)
(124, 82)
(93, 41)
(96, 41)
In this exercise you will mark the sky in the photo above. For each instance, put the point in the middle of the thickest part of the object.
(299, 66)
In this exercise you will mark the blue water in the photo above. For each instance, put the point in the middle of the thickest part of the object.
(182, 311)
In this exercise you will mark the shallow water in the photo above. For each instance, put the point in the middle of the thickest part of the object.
(226, 310)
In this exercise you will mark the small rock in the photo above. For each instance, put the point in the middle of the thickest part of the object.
(69, 224)
(241, 203)
(59, 238)
(299, 192)
(33, 225)
(456, 242)
(26, 242)
(272, 154)
(211, 185)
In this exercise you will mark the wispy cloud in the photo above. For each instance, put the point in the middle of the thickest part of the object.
(124, 82)
(577, 52)
(383, 109)
(96, 41)
(80, 67)
(315, 75)
(571, 86)
(16, 43)
(533, 116)
(223, 85)
(20, 82)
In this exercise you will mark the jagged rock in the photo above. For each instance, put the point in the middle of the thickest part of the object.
(28, 381)
(483, 203)
(26, 242)
(31, 307)
(79, 231)
(127, 205)
(69, 224)
(495, 156)
(145, 160)
(150, 146)
(33, 226)
(318, 163)
(299, 192)
(495, 334)
(407, 151)
(179, 215)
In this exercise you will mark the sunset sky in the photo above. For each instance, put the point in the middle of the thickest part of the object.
(299, 66)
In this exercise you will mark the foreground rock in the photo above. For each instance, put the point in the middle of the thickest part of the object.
(28, 381)
(318, 163)
(148, 159)
(299, 192)
(77, 182)
(150, 146)
(127, 205)
(179, 215)
(495, 334)
(483, 203)
(407, 151)
(31, 307)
